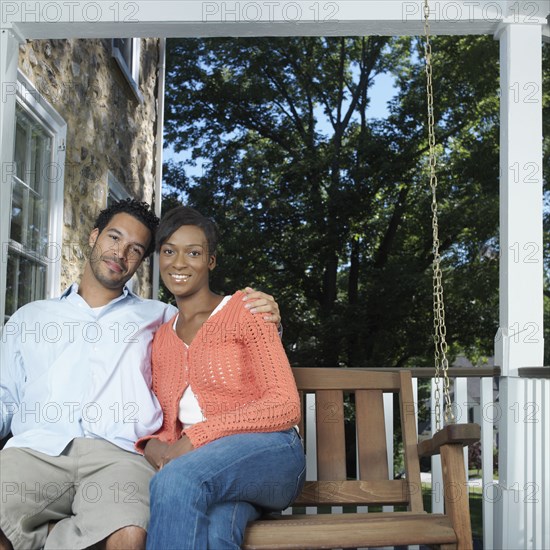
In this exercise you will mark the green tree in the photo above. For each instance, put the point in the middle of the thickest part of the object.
(329, 209)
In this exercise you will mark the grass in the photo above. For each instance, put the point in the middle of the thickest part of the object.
(476, 500)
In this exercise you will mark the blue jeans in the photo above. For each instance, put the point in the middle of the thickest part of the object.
(204, 499)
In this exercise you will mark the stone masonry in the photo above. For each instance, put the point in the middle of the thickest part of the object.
(108, 129)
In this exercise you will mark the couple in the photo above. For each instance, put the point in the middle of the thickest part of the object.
(217, 436)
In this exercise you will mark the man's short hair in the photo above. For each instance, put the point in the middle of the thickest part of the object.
(185, 215)
(138, 209)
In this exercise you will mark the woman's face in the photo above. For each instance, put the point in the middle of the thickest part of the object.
(184, 261)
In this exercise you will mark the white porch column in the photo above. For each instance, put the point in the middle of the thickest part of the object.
(519, 341)
(9, 54)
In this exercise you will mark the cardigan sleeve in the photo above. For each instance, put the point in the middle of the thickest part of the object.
(277, 406)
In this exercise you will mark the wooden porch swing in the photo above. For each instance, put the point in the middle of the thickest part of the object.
(374, 485)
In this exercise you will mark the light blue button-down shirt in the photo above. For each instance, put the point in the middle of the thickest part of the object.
(69, 370)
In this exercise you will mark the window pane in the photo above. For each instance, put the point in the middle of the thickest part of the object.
(26, 281)
(17, 213)
(11, 284)
(125, 47)
(20, 146)
(33, 155)
(37, 235)
(40, 160)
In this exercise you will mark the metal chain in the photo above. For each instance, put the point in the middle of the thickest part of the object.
(440, 330)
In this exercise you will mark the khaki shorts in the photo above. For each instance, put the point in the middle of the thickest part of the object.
(92, 489)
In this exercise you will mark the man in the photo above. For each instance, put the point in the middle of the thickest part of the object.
(75, 392)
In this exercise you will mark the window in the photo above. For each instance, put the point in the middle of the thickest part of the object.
(34, 247)
(126, 52)
(115, 190)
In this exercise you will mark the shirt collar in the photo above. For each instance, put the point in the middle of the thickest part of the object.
(70, 290)
(126, 293)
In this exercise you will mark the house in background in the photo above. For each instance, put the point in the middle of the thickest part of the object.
(88, 131)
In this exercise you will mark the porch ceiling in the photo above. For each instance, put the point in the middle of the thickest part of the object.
(171, 18)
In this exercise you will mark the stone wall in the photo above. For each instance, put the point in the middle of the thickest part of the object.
(108, 129)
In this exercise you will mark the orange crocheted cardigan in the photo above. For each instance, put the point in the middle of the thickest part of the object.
(238, 370)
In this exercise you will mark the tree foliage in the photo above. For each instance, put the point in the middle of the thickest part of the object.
(328, 208)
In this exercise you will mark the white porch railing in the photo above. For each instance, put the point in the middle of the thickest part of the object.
(485, 412)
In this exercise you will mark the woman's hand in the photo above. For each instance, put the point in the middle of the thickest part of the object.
(155, 451)
(180, 447)
(158, 453)
(260, 302)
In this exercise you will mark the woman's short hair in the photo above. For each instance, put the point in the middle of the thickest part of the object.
(185, 215)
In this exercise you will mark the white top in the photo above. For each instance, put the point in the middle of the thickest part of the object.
(189, 410)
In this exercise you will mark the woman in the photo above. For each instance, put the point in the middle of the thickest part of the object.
(227, 447)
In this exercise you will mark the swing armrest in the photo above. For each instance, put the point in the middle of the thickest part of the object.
(453, 434)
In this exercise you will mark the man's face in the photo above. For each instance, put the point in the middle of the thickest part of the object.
(118, 250)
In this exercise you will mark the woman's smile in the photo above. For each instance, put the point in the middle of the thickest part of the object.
(180, 278)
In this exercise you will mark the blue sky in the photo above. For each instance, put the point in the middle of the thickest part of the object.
(381, 92)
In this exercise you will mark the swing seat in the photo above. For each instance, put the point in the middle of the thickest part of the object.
(375, 485)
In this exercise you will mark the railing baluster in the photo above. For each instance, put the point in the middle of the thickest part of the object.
(461, 410)
(311, 445)
(415, 397)
(388, 418)
(487, 449)
(543, 475)
(437, 473)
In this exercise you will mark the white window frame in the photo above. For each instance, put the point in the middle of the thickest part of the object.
(36, 107)
(130, 69)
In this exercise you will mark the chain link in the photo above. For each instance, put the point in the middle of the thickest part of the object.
(440, 330)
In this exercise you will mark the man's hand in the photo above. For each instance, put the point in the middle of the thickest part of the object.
(155, 451)
(260, 302)
(180, 447)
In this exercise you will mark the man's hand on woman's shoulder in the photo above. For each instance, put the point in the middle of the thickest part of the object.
(260, 302)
